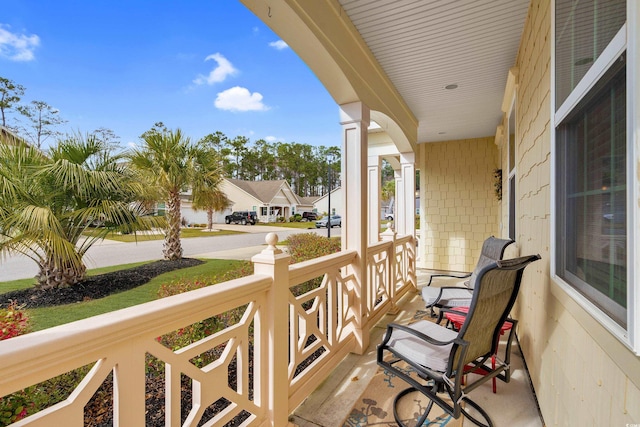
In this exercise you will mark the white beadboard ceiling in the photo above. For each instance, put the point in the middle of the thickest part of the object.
(425, 45)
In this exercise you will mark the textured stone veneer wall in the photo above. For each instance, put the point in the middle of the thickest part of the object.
(460, 209)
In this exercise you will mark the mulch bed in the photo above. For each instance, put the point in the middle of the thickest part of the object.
(95, 287)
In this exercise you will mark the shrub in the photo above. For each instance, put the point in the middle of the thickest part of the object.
(180, 286)
(306, 246)
(14, 321)
(197, 331)
(14, 407)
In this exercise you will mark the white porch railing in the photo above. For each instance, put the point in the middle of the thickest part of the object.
(282, 348)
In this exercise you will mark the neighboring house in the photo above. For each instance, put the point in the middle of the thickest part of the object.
(191, 216)
(307, 204)
(321, 205)
(8, 136)
(270, 199)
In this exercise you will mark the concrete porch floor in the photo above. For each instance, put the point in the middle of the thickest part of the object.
(330, 404)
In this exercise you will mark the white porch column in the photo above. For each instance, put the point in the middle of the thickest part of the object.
(406, 206)
(354, 118)
(373, 172)
(406, 195)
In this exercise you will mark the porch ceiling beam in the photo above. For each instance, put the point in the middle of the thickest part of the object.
(322, 35)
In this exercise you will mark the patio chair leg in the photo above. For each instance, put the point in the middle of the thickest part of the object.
(432, 312)
(400, 395)
(493, 366)
(482, 412)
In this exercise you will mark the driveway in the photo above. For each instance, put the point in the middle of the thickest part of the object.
(110, 252)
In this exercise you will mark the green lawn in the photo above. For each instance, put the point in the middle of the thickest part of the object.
(303, 225)
(185, 233)
(43, 318)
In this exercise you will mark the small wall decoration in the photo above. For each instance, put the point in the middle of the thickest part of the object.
(497, 183)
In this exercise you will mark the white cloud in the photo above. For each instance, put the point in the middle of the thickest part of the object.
(271, 138)
(279, 45)
(240, 99)
(17, 47)
(218, 74)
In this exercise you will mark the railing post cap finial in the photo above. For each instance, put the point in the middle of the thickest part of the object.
(389, 233)
(272, 240)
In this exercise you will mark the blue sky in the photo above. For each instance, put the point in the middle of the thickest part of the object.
(202, 66)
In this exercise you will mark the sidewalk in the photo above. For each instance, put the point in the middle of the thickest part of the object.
(240, 253)
(245, 253)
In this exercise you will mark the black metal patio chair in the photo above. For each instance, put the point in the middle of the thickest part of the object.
(440, 357)
(460, 295)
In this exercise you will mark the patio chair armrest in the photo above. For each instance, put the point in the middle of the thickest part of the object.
(448, 275)
(442, 289)
(419, 335)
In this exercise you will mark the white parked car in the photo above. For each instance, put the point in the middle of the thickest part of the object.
(336, 221)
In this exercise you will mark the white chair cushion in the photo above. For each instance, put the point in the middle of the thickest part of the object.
(420, 351)
(450, 297)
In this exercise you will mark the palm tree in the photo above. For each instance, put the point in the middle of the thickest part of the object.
(389, 190)
(206, 192)
(170, 163)
(48, 204)
(211, 201)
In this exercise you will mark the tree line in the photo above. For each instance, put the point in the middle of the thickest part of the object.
(303, 166)
(306, 168)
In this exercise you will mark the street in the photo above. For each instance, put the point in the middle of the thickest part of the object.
(112, 252)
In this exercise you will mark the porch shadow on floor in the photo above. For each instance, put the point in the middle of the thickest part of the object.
(514, 403)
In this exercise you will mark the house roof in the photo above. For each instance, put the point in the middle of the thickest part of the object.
(264, 191)
(324, 196)
(309, 201)
(8, 136)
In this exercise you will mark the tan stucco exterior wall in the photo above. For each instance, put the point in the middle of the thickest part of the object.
(458, 207)
(241, 200)
(581, 373)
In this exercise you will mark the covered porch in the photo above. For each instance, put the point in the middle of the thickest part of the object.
(285, 346)
(459, 91)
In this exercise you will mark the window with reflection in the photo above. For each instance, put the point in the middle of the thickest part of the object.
(591, 152)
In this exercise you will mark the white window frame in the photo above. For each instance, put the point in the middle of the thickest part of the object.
(628, 38)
